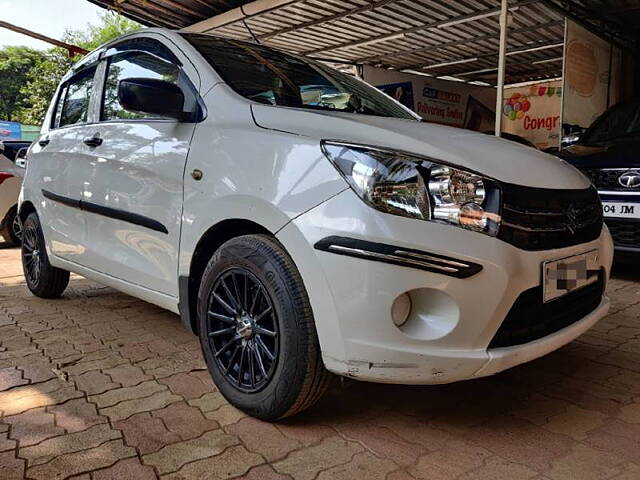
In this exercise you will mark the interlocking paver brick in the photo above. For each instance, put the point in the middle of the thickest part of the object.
(263, 472)
(209, 402)
(10, 466)
(76, 415)
(263, 438)
(172, 457)
(306, 464)
(499, 468)
(233, 462)
(95, 382)
(33, 426)
(126, 408)
(6, 443)
(185, 421)
(452, 461)
(363, 465)
(117, 395)
(305, 432)
(127, 375)
(586, 463)
(226, 415)
(186, 385)
(11, 377)
(146, 433)
(62, 466)
(37, 372)
(383, 442)
(72, 442)
(131, 468)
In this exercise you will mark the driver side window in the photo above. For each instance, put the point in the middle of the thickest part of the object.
(132, 64)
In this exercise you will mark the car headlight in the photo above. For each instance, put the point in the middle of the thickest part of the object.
(410, 186)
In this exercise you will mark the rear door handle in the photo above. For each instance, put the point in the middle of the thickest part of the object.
(94, 141)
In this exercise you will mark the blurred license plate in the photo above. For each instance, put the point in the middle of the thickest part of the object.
(621, 209)
(568, 274)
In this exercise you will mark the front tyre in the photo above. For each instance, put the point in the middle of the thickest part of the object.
(43, 279)
(257, 330)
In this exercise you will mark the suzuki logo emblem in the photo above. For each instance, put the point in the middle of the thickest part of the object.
(630, 179)
(572, 217)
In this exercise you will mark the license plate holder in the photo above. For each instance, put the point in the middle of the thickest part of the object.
(565, 275)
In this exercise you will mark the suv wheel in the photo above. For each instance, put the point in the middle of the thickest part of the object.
(43, 279)
(257, 330)
(12, 227)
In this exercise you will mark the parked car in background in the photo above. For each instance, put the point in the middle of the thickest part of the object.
(302, 237)
(12, 169)
(607, 153)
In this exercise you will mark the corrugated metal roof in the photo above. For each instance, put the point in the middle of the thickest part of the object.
(436, 37)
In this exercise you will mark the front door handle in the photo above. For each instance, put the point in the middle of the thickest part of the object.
(94, 141)
(44, 142)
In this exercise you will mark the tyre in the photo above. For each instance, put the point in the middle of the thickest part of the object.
(43, 279)
(257, 330)
(12, 227)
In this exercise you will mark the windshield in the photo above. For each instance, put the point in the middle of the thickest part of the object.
(621, 121)
(272, 77)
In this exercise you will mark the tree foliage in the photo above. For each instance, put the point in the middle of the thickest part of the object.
(15, 65)
(38, 84)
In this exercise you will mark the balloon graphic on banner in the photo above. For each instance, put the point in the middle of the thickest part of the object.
(526, 105)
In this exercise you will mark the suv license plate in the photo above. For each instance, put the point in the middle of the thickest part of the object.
(560, 277)
(621, 210)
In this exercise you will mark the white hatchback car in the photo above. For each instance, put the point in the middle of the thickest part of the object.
(304, 234)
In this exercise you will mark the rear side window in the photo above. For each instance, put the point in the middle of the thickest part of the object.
(133, 64)
(73, 104)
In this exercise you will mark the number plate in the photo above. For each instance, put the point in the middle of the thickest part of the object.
(621, 209)
(568, 274)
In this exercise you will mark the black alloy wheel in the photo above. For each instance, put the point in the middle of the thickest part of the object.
(43, 279)
(243, 330)
(31, 259)
(257, 330)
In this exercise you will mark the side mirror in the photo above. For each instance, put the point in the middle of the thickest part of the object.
(155, 97)
(571, 139)
(21, 158)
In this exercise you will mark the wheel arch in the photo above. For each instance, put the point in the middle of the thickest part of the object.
(209, 242)
(26, 208)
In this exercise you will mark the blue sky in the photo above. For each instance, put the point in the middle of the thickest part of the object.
(48, 17)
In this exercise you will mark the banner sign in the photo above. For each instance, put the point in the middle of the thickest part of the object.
(10, 131)
(590, 64)
(533, 112)
(438, 101)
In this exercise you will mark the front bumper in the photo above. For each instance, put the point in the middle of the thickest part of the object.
(453, 320)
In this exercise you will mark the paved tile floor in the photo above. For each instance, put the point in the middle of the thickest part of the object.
(98, 385)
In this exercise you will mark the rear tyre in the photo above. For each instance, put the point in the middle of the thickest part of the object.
(11, 227)
(43, 279)
(257, 330)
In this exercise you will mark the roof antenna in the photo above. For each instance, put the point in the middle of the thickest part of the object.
(246, 25)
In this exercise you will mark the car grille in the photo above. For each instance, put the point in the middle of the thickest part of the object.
(530, 318)
(607, 179)
(625, 233)
(542, 219)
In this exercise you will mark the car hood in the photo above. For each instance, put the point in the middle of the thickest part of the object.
(497, 158)
(617, 155)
